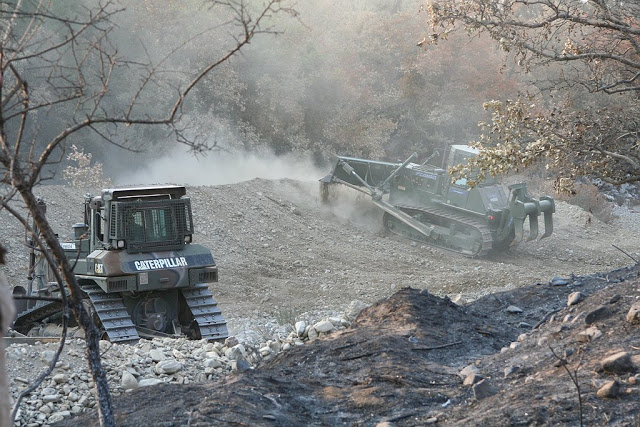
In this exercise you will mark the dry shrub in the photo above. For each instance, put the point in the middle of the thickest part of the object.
(585, 195)
(591, 200)
(81, 173)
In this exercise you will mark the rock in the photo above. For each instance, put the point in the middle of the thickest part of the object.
(525, 325)
(559, 281)
(312, 333)
(57, 417)
(510, 370)
(609, 390)
(300, 328)
(596, 315)
(589, 334)
(240, 365)
(51, 398)
(236, 352)
(178, 354)
(614, 299)
(336, 321)
(60, 378)
(170, 366)
(47, 356)
(468, 370)
(543, 342)
(265, 351)
(157, 355)
(49, 391)
(128, 381)
(483, 389)
(354, 308)
(472, 379)
(212, 363)
(574, 298)
(618, 363)
(514, 309)
(323, 326)
(231, 342)
(146, 382)
(275, 346)
(633, 316)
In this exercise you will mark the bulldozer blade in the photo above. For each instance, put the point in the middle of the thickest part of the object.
(351, 172)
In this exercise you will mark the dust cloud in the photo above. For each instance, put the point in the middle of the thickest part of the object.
(219, 168)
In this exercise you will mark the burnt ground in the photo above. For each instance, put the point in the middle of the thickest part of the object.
(400, 361)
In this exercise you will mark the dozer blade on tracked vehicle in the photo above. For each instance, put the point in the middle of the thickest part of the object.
(421, 202)
(140, 273)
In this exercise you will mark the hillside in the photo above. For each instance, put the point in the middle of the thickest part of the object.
(284, 257)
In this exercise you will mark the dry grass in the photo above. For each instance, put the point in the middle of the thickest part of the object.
(365, 397)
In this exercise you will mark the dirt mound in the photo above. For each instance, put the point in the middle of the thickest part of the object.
(401, 360)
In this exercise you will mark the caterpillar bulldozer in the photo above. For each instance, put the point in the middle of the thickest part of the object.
(140, 273)
(421, 202)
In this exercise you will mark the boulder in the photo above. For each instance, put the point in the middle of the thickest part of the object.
(618, 363)
(609, 390)
(633, 316)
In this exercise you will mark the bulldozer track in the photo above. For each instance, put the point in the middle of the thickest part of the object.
(113, 315)
(205, 312)
(448, 216)
(36, 314)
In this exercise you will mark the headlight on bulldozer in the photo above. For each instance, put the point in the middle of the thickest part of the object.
(121, 244)
(187, 238)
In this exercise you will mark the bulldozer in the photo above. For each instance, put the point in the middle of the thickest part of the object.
(140, 273)
(423, 203)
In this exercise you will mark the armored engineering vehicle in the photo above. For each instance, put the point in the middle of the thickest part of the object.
(421, 202)
(140, 272)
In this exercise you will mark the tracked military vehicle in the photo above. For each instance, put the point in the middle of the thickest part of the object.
(421, 202)
(140, 272)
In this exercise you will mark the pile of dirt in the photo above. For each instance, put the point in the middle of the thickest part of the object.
(402, 359)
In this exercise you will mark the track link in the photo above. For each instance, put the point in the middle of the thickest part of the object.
(205, 312)
(113, 315)
(448, 216)
(36, 314)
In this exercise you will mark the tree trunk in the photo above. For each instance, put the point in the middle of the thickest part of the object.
(7, 313)
(92, 333)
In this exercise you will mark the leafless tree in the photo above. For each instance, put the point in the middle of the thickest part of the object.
(59, 61)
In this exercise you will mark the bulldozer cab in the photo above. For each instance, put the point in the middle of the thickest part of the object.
(460, 154)
(141, 219)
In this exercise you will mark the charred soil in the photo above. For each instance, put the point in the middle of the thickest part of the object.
(401, 361)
